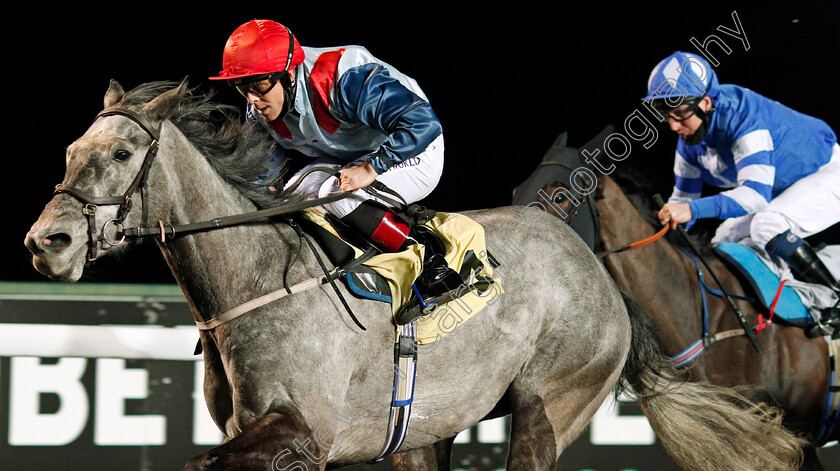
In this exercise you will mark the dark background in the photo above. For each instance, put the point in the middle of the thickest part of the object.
(504, 81)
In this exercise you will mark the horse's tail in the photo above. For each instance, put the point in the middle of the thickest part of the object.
(703, 426)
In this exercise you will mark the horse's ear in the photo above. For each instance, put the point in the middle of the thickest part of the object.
(597, 142)
(559, 142)
(164, 104)
(600, 186)
(114, 94)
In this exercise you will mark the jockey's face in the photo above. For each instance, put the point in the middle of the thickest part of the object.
(684, 121)
(270, 103)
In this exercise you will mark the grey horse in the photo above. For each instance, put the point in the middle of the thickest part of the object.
(294, 384)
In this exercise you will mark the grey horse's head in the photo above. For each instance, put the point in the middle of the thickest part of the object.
(101, 168)
(119, 154)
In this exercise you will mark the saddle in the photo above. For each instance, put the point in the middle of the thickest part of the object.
(764, 283)
(388, 277)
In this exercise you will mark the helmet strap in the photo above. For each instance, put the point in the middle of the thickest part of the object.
(703, 130)
(289, 88)
(289, 84)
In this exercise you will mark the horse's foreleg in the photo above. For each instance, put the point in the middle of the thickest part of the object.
(280, 440)
(430, 458)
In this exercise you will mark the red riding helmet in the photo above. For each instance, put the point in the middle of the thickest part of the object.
(259, 47)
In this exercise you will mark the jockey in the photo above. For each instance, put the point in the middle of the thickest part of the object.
(780, 169)
(351, 112)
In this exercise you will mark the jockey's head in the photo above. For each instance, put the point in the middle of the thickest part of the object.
(681, 88)
(257, 56)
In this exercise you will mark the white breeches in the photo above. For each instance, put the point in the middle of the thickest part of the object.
(413, 179)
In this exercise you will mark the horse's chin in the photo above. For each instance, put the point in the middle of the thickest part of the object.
(62, 268)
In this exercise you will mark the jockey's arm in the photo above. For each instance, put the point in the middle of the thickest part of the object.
(756, 176)
(368, 94)
(688, 184)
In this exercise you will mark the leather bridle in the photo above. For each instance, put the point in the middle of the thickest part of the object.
(571, 215)
(91, 203)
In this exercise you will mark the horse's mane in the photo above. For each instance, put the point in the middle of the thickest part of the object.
(639, 187)
(238, 152)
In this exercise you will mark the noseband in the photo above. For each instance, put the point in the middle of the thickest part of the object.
(91, 203)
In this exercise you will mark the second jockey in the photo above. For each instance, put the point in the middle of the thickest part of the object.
(779, 169)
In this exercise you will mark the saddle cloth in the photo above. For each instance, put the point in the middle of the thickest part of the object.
(765, 284)
(464, 240)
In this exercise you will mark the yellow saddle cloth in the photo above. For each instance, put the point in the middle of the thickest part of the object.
(460, 235)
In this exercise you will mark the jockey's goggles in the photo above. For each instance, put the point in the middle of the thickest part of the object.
(256, 85)
(677, 114)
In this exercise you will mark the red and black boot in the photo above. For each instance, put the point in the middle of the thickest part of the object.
(437, 283)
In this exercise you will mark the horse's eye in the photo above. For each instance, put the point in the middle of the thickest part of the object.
(122, 155)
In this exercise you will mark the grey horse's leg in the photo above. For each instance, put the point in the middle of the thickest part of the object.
(217, 393)
(555, 397)
(280, 440)
(543, 422)
(532, 445)
(435, 457)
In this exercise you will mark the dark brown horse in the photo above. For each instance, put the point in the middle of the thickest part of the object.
(793, 373)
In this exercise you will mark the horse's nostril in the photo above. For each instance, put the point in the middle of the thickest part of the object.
(32, 244)
(56, 242)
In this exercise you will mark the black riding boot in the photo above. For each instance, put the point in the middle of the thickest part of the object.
(389, 233)
(437, 280)
(807, 266)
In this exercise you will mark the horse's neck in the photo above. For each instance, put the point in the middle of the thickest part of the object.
(216, 269)
(657, 275)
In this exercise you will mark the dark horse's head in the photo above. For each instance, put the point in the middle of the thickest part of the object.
(562, 185)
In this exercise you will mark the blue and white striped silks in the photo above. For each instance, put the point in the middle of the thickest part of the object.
(755, 149)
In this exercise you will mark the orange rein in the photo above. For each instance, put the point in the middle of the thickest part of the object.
(637, 244)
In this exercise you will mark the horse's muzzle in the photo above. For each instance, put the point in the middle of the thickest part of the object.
(56, 252)
(39, 242)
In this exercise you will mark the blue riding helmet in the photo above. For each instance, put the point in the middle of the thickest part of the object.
(681, 75)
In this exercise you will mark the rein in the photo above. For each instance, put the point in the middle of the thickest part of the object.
(696, 349)
(163, 230)
(637, 244)
(738, 314)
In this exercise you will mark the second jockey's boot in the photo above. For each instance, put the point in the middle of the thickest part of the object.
(807, 266)
(382, 227)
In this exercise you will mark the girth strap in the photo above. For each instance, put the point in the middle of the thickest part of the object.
(697, 348)
(402, 398)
